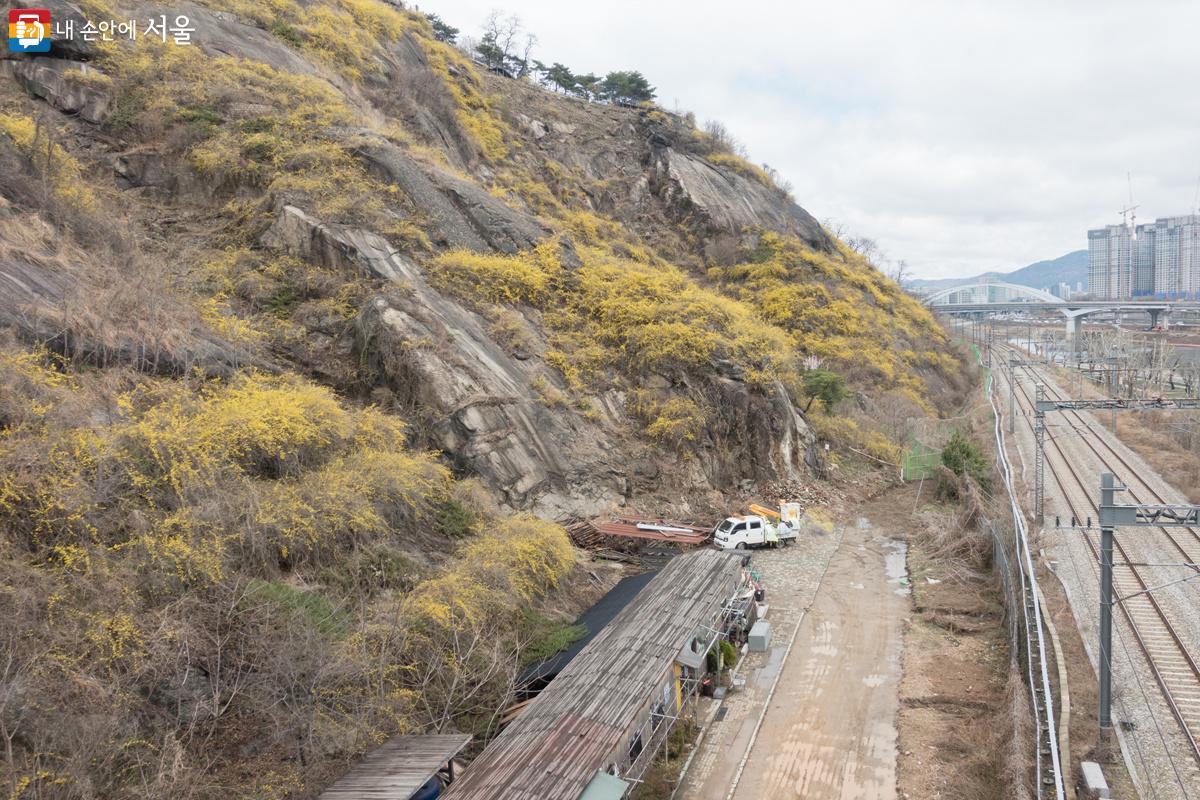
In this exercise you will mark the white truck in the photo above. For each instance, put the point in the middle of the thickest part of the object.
(757, 530)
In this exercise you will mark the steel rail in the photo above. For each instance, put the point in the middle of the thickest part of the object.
(1126, 564)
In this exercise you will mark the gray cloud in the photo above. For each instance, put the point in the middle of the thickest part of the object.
(961, 135)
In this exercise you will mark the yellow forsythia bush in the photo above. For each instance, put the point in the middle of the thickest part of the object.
(528, 554)
(59, 168)
(525, 278)
(515, 563)
(182, 479)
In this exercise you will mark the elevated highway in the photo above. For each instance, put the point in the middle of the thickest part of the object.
(997, 297)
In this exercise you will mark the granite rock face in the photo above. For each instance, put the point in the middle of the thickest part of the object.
(643, 167)
(56, 81)
(477, 398)
(717, 197)
(462, 213)
(479, 404)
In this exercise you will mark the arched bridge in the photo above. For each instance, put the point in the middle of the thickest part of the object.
(987, 292)
(991, 296)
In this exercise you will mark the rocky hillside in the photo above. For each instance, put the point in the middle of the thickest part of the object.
(283, 325)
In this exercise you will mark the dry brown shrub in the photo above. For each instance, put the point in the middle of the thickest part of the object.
(951, 535)
(1167, 442)
(103, 311)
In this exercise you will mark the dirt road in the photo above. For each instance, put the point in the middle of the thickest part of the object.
(830, 730)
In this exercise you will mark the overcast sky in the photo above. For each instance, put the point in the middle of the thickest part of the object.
(963, 136)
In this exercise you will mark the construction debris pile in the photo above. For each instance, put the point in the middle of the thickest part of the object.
(627, 536)
(806, 494)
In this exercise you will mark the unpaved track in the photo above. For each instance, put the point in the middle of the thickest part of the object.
(830, 730)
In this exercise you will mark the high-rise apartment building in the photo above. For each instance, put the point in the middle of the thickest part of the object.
(1161, 259)
(1110, 261)
(1143, 261)
(1177, 256)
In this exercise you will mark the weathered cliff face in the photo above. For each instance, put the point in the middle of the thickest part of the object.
(481, 402)
(461, 213)
(476, 401)
(45, 78)
(640, 166)
(718, 200)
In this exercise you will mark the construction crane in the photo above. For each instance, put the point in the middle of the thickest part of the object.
(1129, 213)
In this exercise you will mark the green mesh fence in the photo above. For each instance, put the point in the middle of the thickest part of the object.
(920, 461)
(987, 372)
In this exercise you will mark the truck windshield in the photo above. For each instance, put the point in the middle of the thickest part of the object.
(725, 527)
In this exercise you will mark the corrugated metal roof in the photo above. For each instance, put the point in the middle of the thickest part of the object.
(593, 620)
(554, 748)
(397, 768)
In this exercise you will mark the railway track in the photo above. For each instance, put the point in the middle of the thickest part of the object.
(1172, 662)
(1187, 544)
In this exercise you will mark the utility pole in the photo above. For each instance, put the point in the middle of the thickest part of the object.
(1012, 391)
(1113, 516)
(988, 346)
(1115, 390)
(1108, 486)
(1039, 462)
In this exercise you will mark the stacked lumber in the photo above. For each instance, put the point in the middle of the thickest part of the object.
(585, 535)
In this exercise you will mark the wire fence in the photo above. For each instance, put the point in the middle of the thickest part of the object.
(1004, 569)
(920, 462)
(1026, 618)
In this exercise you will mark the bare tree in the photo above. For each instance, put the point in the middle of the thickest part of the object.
(722, 139)
(13, 674)
(836, 229)
(503, 31)
(781, 183)
(526, 55)
(865, 246)
(463, 670)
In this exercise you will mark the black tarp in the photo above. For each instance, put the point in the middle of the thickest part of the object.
(535, 677)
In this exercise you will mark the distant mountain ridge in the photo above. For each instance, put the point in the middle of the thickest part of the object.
(1070, 269)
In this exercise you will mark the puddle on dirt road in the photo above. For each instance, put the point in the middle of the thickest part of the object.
(895, 556)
